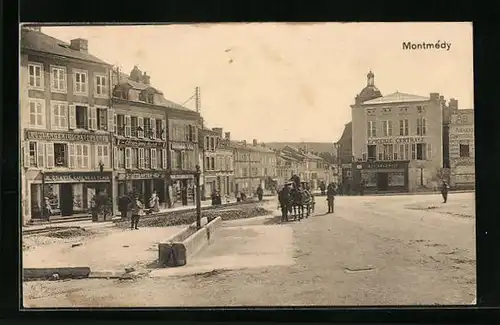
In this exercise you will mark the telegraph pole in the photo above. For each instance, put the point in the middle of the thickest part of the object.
(198, 169)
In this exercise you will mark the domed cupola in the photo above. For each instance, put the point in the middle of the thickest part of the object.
(370, 91)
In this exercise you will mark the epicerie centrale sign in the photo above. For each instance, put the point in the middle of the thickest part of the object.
(181, 146)
(66, 136)
(76, 178)
(396, 140)
(139, 144)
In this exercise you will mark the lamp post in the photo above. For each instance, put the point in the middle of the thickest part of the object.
(197, 174)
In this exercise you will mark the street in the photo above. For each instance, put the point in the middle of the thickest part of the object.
(383, 250)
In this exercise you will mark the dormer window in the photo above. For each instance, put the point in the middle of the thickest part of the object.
(121, 93)
(150, 98)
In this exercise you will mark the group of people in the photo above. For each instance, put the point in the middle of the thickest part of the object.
(131, 206)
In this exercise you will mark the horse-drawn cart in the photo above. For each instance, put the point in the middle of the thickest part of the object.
(296, 199)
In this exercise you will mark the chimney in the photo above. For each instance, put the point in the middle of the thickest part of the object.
(145, 78)
(453, 104)
(218, 131)
(227, 135)
(254, 142)
(79, 44)
(434, 97)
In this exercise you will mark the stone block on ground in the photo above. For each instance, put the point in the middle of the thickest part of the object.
(62, 273)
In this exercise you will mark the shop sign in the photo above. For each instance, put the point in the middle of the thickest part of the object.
(383, 165)
(346, 166)
(182, 176)
(144, 175)
(139, 144)
(66, 136)
(77, 178)
(396, 140)
(462, 130)
(182, 146)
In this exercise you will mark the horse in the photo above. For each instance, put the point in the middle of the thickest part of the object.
(284, 203)
(301, 199)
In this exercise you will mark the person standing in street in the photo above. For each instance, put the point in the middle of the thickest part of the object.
(154, 203)
(124, 205)
(260, 193)
(330, 197)
(444, 191)
(137, 211)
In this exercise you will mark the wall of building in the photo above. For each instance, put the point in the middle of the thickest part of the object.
(60, 128)
(462, 164)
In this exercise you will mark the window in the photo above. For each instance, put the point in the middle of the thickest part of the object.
(388, 151)
(58, 79)
(178, 159)
(212, 143)
(80, 82)
(127, 126)
(207, 143)
(134, 158)
(102, 155)
(102, 119)
(82, 155)
(133, 126)
(212, 163)
(101, 86)
(150, 98)
(141, 157)
(121, 158)
(32, 154)
(387, 125)
(403, 151)
(420, 109)
(464, 150)
(421, 126)
(147, 127)
(121, 93)
(153, 159)
(60, 155)
(372, 131)
(372, 152)
(159, 129)
(147, 158)
(120, 122)
(81, 117)
(403, 127)
(207, 163)
(35, 71)
(423, 151)
(37, 113)
(245, 172)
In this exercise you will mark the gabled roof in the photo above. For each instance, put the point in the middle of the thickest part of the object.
(313, 156)
(396, 97)
(40, 42)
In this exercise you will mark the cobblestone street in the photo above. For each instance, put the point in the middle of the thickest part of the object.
(372, 251)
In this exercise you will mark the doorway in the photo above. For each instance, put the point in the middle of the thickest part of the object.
(382, 181)
(66, 199)
(184, 192)
(148, 191)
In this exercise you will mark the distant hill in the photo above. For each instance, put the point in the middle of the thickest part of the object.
(314, 146)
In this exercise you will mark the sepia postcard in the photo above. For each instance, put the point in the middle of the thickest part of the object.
(247, 164)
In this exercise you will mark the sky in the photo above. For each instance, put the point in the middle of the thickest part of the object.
(285, 81)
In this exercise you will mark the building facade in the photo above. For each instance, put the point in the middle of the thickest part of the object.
(64, 124)
(218, 164)
(462, 157)
(183, 126)
(140, 157)
(397, 142)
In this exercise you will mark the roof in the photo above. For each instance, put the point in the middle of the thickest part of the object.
(40, 42)
(369, 93)
(238, 144)
(124, 79)
(397, 97)
(313, 156)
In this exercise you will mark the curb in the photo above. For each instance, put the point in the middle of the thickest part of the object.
(56, 273)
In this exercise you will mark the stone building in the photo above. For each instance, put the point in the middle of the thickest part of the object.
(397, 141)
(218, 166)
(254, 165)
(140, 140)
(64, 125)
(462, 157)
(344, 155)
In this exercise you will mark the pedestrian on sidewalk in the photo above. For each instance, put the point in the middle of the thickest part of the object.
(137, 211)
(444, 191)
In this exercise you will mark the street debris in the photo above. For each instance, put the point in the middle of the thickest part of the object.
(359, 269)
(76, 244)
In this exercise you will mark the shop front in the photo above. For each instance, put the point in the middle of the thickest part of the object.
(68, 193)
(382, 176)
(182, 189)
(143, 183)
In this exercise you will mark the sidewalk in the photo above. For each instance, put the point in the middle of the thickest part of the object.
(88, 224)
